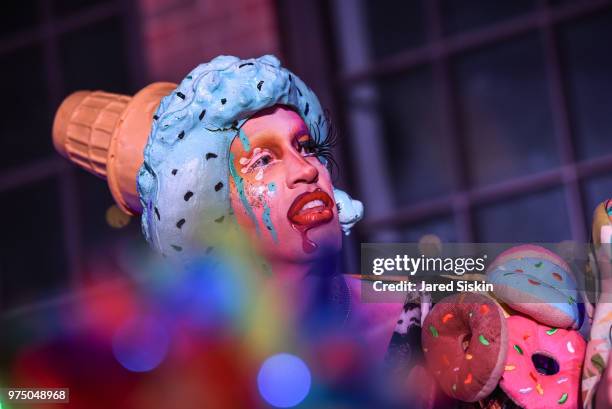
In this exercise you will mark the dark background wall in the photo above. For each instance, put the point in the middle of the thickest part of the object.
(468, 119)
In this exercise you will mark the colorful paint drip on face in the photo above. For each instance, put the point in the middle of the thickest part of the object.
(308, 245)
(267, 220)
(239, 182)
(244, 140)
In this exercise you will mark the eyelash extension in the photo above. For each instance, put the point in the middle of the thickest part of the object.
(324, 148)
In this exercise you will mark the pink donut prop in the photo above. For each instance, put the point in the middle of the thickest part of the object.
(464, 339)
(543, 365)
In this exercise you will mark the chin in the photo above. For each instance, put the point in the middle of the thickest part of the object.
(327, 240)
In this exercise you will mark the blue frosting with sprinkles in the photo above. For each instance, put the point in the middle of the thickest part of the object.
(185, 174)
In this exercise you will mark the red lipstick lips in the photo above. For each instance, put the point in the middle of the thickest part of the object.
(311, 209)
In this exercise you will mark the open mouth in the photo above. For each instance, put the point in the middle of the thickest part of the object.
(311, 209)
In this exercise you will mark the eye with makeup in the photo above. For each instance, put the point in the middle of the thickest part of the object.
(306, 146)
(260, 159)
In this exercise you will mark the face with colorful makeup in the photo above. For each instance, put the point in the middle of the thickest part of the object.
(280, 191)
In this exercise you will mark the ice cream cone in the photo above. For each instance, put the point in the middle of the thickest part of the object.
(106, 133)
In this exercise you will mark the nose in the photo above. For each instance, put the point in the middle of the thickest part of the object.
(299, 170)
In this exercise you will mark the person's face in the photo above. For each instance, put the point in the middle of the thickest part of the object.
(281, 193)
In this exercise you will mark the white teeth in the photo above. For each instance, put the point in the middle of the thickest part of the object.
(313, 203)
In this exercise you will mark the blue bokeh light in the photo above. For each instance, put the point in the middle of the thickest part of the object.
(141, 344)
(284, 380)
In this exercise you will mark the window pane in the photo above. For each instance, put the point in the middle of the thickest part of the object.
(416, 153)
(25, 134)
(595, 191)
(443, 227)
(394, 25)
(539, 217)
(65, 7)
(462, 15)
(32, 261)
(588, 65)
(94, 200)
(94, 58)
(565, 2)
(17, 16)
(504, 107)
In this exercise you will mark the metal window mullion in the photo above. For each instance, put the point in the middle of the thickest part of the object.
(445, 94)
(68, 194)
(493, 193)
(37, 35)
(367, 130)
(562, 127)
(470, 40)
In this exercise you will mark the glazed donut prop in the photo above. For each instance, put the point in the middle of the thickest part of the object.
(537, 282)
(465, 344)
(543, 365)
(600, 339)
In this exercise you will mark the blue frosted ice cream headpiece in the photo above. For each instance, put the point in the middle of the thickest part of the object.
(184, 182)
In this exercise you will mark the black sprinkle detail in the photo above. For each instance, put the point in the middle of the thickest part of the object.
(180, 95)
(188, 195)
(209, 249)
(180, 223)
(220, 219)
(189, 77)
(181, 135)
(174, 171)
(259, 84)
(231, 128)
(177, 248)
(223, 101)
(307, 109)
(201, 116)
(157, 214)
(211, 155)
(319, 120)
(290, 78)
(218, 186)
(155, 117)
(246, 63)
(299, 92)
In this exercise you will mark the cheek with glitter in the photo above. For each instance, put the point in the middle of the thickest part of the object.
(256, 194)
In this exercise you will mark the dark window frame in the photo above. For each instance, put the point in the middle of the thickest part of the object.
(46, 33)
(437, 52)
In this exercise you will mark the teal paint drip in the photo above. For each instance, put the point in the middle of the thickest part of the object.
(239, 181)
(245, 141)
(268, 222)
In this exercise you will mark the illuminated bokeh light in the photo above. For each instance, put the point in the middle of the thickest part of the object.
(284, 380)
(117, 218)
(141, 344)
